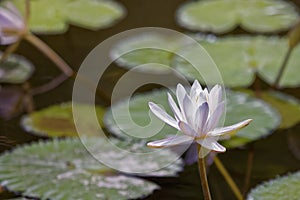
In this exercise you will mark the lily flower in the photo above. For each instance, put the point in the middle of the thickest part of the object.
(11, 23)
(197, 117)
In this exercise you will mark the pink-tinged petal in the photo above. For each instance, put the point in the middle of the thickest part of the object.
(186, 129)
(195, 89)
(230, 130)
(214, 118)
(212, 144)
(161, 114)
(10, 20)
(10, 6)
(174, 107)
(188, 110)
(171, 141)
(180, 94)
(201, 117)
(215, 97)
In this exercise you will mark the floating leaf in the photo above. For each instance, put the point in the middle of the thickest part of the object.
(58, 121)
(64, 169)
(239, 58)
(288, 106)
(50, 17)
(145, 49)
(15, 69)
(239, 106)
(223, 16)
(294, 36)
(283, 188)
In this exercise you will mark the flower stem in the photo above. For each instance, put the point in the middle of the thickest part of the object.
(52, 55)
(228, 178)
(203, 177)
(282, 68)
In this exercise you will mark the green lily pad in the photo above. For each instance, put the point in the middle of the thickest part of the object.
(283, 188)
(240, 106)
(288, 106)
(58, 121)
(15, 69)
(220, 16)
(52, 17)
(64, 169)
(145, 49)
(239, 58)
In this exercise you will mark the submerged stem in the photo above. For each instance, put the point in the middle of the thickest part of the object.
(249, 169)
(203, 177)
(52, 55)
(9, 50)
(282, 68)
(228, 178)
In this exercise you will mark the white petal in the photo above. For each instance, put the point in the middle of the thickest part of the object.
(195, 89)
(180, 93)
(212, 144)
(171, 141)
(214, 118)
(174, 107)
(230, 130)
(186, 129)
(215, 97)
(189, 110)
(201, 117)
(161, 114)
(10, 6)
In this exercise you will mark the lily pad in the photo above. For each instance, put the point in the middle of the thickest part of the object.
(64, 169)
(218, 16)
(144, 49)
(283, 188)
(240, 106)
(52, 17)
(58, 121)
(239, 58)
(15, 69)
(288, 106)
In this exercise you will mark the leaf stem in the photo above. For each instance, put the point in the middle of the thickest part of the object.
(249, 168)
(203, 176)
(52, 55)
(282, 68)
(27, 13)
(228, 178)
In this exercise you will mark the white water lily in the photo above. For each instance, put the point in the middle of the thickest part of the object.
(10, 21)
(197, 117)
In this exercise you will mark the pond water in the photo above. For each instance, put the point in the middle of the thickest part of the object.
(272, 155)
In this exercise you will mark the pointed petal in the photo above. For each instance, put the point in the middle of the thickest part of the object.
(180, 93)
(201, 117)
(161, 114)
(188, 110)
(187, 130)
(171, 141)
(214, 118)
(212, 144)
(215, 97)
(230, 130)
(174, 107)
(10, 6)
(195, 89)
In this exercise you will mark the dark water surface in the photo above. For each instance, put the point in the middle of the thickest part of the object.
(272, 155)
